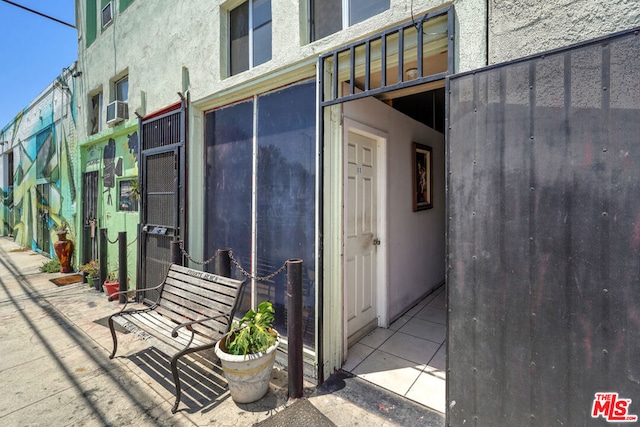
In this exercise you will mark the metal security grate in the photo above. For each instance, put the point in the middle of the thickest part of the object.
(161, 189)
(162, 131)
(89, 210)
(162, 148)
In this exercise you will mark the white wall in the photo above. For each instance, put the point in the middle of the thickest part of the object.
(416, 239)
(519, 28)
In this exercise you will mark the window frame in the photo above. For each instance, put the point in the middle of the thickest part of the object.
(250, 36)
(116, 90)
(345, 18)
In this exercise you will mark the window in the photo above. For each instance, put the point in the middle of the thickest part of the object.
(128, 195)
(121, 89)
(10, 169)
(96, 113)
(249, 35)
(283, 124)
(106, 15)
(46, 166)
(331, 16)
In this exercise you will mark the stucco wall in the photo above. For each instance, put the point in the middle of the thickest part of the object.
(416, 243)
(519, 28)
(156, 42)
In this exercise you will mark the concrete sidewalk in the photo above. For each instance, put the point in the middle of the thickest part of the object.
(55, 370)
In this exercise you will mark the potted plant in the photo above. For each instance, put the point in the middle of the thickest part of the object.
(247, 354)
(91, 271)
(111, 283)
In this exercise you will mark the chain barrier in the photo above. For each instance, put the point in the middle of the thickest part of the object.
(251, 276)
(235, 262)
(132, 242)
(106, 235)
(186, 255)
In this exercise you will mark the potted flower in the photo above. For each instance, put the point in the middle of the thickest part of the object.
(91, 271)
(247, 354)
(111, 283)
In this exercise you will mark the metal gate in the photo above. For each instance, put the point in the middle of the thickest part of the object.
(162, 159)
(544, 238)
(89, 211)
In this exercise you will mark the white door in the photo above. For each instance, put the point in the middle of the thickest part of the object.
(360, 233)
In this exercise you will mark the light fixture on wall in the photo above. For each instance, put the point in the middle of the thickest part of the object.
(411, 73)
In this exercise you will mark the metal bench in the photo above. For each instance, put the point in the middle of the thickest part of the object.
(193, 311)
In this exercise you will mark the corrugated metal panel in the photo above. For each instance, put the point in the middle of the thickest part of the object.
(544, 236)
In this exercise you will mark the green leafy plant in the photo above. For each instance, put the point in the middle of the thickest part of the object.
(254, 333)
(52, 266)
(92, 268)
(112, 277)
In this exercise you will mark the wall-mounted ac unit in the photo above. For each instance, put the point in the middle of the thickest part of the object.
(107, 14)
(117, 111)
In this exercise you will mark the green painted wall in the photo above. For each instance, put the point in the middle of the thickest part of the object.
(113, 154)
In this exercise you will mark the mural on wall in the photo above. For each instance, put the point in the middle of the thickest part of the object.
(41, 195)
(111, 169)
(133, 145)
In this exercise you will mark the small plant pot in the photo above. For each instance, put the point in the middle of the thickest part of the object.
(248, 376)
(111, 288)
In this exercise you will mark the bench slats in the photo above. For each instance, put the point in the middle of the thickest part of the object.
(204, 296)
(212, 291)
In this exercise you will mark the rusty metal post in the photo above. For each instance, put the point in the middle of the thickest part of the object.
(223, 263)
(122, 266)
(294, 327)
(103, 259)
(176, 253)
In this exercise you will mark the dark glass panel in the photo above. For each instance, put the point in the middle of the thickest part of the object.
(286, 197)
(359, 10)
(229, 135)
(239, 38)
(326, 18)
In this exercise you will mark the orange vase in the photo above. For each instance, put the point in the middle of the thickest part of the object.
(64, 250)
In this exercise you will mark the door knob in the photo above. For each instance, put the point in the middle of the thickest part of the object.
(376, 241)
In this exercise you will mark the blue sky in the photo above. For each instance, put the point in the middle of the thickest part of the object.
(33, 51)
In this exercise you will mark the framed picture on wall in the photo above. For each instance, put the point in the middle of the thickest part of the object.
(422, 172)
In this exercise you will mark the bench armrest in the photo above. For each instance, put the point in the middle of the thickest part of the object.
(115, 294)
(174, 333)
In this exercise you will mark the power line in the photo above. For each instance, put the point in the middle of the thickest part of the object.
(39, 13)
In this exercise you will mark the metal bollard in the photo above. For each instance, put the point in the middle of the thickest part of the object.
(103, 257)
(176, 253)
(294, 327)
(223, 263)
(122, 266)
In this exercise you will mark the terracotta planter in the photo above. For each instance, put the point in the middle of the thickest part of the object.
(248, 376)
(64, 250)
(111, 287)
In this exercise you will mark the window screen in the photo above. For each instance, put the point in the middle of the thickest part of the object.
(286, 196)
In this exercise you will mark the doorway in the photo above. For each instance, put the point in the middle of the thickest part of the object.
(364, 223)
(403, 349)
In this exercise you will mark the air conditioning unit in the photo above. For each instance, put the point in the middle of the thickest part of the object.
(117, 111)
(107, 14)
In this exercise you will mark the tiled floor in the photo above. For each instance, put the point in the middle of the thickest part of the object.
(409, 358)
